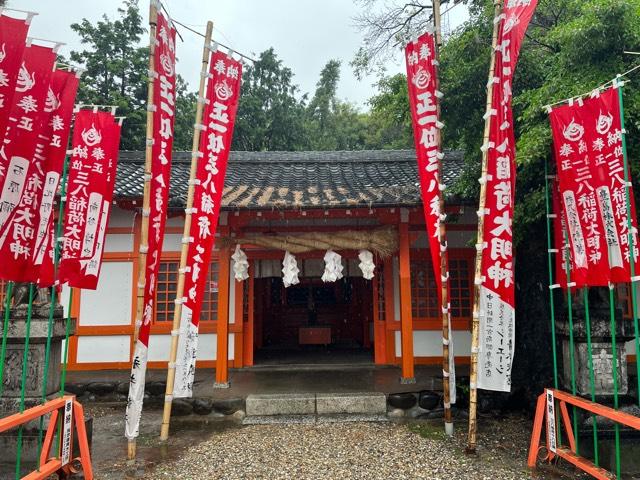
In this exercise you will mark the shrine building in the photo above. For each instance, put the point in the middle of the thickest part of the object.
(270, 199)
(391, 319)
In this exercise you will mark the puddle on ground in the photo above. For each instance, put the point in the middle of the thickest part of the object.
(109, 448)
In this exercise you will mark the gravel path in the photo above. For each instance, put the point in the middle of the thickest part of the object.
(352, 451)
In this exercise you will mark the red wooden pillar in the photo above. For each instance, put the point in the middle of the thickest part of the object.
(222, 353)
(379, 326)
(248, 328)
(238, 323)
(406, 318)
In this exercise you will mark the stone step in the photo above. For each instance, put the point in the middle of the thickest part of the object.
(281, 404)
(321, 404)
(336, 403)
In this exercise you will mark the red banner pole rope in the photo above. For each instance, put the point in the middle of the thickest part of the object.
(177, 313)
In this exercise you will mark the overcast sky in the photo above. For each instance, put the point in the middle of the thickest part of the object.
(304, 33)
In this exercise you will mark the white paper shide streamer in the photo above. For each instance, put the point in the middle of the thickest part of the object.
(332, 267)
(290, 270)
(240, 265)
(366, 264)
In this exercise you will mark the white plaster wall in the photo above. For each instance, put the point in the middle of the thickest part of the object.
(119, 242)
(175, 221)
(103, 348)
(110, 303)
(172, 242)
(428, 343)
(121, 218)
(160, 345)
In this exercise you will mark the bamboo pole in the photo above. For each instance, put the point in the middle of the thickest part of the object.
(146, 196)
(475, 324)
(442, 239)
(177, 312)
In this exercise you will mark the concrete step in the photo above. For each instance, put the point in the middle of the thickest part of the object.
(316, 404)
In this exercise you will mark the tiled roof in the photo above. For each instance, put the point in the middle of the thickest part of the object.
(266, 180)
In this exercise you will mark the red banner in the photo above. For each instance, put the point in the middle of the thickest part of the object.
(497, 295)
(422, 80)
(13, 35)
(21, 166)
(59, 107)
(91, 178)
(164, 87)
(223, 92)
(423, 99)
(587, 137)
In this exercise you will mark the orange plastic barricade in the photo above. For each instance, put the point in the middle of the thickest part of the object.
(546, 413)
(72, 415)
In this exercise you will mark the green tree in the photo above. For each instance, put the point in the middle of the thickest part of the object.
(116, 69)
(390, 118)
(269, 117)
(116, 74)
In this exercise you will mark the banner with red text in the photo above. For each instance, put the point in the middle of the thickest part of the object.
(21, 166)
(90, 183)
(13, 36)
(422, 80)
(590, 166)
(223, 92)
(497, 296)
(164, 86)
(59, 108)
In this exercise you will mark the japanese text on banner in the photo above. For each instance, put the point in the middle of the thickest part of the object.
(422, 77)
(223, 92)
(59, 107)
(497, 305)
(89, 192)
(21, 165)
(164, 85)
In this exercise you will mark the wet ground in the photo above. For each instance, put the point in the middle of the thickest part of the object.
(217, 447)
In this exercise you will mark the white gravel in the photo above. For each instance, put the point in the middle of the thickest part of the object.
(350, 451)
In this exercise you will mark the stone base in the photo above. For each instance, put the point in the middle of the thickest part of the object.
(30, 443)
(12, 380)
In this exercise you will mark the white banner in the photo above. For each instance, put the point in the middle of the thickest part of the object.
(497, 338)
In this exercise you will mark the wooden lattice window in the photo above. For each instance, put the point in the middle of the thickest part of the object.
(209, 310)
(166, 290)
(461, 288)
(167, 286)
(424, 294)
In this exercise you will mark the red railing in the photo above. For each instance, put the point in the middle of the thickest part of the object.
(545, 415)
(72, 414)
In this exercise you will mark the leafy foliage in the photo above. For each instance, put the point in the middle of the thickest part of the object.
(116, 74)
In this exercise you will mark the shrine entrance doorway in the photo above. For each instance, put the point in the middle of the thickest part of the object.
(313, 322)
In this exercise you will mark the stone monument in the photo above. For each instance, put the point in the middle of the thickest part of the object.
(12, 377)
(599, 314)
